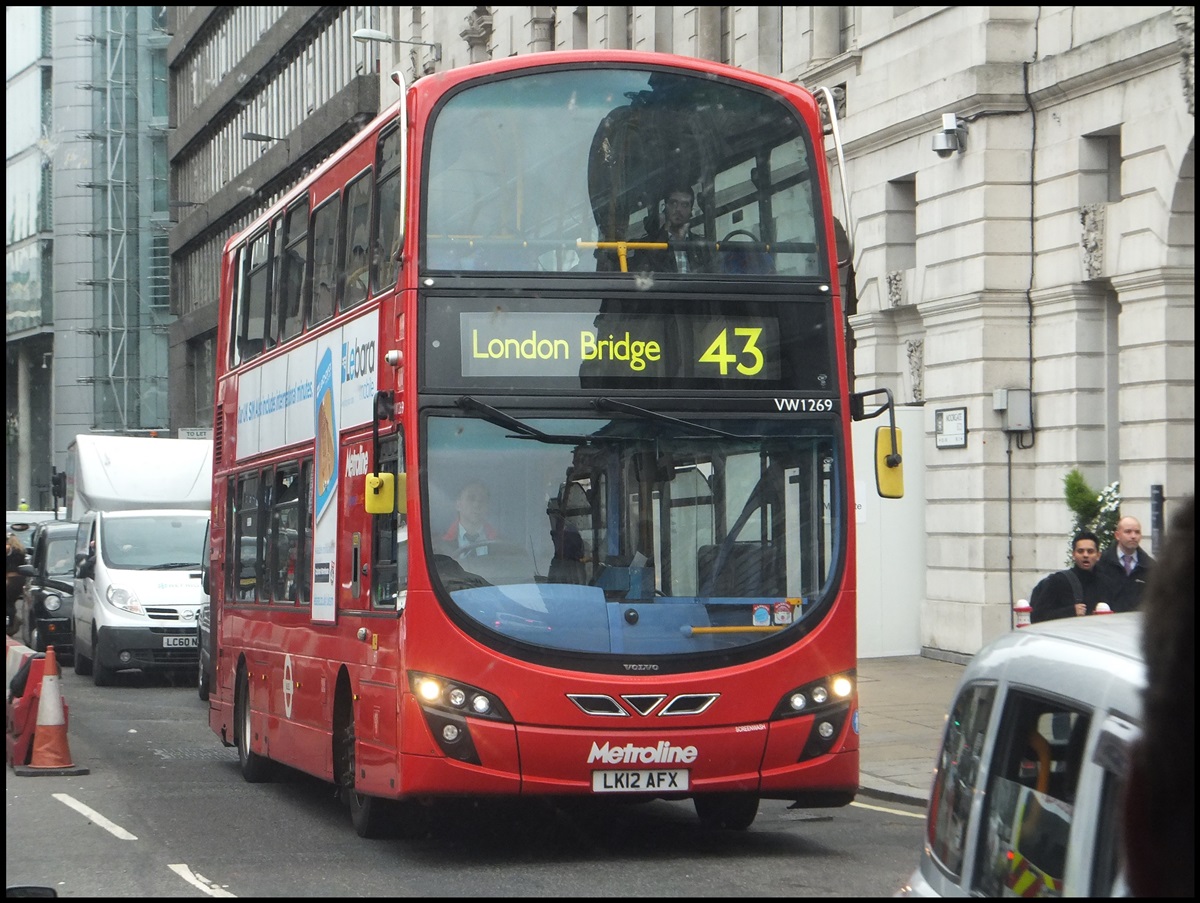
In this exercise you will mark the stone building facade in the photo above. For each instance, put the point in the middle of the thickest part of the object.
(1029, 259)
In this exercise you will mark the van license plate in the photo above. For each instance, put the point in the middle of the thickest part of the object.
(667, 779)
(181, 641)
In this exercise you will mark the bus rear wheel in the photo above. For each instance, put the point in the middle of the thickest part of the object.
(731, 811)
(255, 768)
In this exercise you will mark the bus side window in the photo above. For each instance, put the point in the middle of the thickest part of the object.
(357, 240)
(255, 325)
(389, 537)
(304, 534)
(245, 571)
(285, 533)
(385, 267)
(324, 243)
(294, 293)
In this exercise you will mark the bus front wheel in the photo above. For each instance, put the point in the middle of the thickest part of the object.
(731, 811)
(368, 814)
(255, 768)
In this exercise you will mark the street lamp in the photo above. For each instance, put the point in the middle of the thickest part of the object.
(259, 136)
(372, 34)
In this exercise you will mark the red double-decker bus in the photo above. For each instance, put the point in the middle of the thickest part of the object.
(532, 468)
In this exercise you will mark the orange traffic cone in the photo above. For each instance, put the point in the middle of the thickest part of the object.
(51, 755)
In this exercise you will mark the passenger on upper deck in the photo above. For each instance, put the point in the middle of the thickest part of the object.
(687, 251)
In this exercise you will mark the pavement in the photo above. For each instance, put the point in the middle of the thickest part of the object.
(902, 712)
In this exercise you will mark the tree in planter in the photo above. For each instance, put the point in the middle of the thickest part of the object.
(1092, 510)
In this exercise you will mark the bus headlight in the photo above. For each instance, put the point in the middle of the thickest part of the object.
(124, 599)
(828, 701)
(435, 692)
(817, 697)
(446, 705)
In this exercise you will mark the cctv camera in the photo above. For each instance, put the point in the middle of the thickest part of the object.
(952, 137)
(945, 144)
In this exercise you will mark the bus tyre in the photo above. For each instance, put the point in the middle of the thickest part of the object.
(255, 768)
(369, 815)
(731, 811)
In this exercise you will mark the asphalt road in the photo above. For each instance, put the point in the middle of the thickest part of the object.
(165, 812)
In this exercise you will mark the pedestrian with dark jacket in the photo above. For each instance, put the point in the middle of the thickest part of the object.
(14, 583)
(1075, 591)
(1125, 566)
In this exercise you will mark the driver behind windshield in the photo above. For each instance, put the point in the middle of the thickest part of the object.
(471, 530)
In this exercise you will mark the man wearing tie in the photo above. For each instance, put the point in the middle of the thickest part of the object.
(471, 531)
(1125, 566)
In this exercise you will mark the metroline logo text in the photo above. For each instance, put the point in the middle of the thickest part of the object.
(662, 754)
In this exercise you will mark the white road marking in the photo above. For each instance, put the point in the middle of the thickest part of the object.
(199, 881)
(95, 817)
(889, 811)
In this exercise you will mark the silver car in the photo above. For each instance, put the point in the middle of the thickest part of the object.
(1027, 786)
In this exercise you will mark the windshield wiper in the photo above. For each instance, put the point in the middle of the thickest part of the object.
(611, 404)
(524, 430)
(171, 566)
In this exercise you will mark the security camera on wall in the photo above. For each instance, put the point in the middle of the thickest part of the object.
(952, 137)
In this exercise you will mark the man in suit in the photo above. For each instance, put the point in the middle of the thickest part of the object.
(1125, 566)
(471, 531)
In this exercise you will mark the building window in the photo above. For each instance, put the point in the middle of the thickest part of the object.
(901, 224)
(203, 353)
(1100, 167)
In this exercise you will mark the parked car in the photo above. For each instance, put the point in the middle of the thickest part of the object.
(47, 604)
(1027, 786)
(203, 620)
(21, 523)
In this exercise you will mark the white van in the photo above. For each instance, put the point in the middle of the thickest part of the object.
(137, 591)
(1027, 786)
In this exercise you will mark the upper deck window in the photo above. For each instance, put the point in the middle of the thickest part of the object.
(572, 171)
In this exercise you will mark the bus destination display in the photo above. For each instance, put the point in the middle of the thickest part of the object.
(507, 344)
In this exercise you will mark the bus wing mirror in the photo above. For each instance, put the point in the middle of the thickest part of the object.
(889, 463)
(380, 495)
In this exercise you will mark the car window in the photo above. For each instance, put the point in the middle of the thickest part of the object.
(60, 555)
(1030, 802)
(957, 771)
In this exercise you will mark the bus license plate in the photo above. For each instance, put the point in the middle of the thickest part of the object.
(667, 779)
(181, 641)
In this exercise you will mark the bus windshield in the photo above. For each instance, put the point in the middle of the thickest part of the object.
(632, 536)
(575, 171)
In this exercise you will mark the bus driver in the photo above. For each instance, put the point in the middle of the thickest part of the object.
(471, 530)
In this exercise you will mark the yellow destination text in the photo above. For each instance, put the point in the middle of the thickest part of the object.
(634, 353)
(627, 350)
(530, 349)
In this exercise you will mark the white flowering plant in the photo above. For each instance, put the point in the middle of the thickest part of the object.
(1095, 511)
